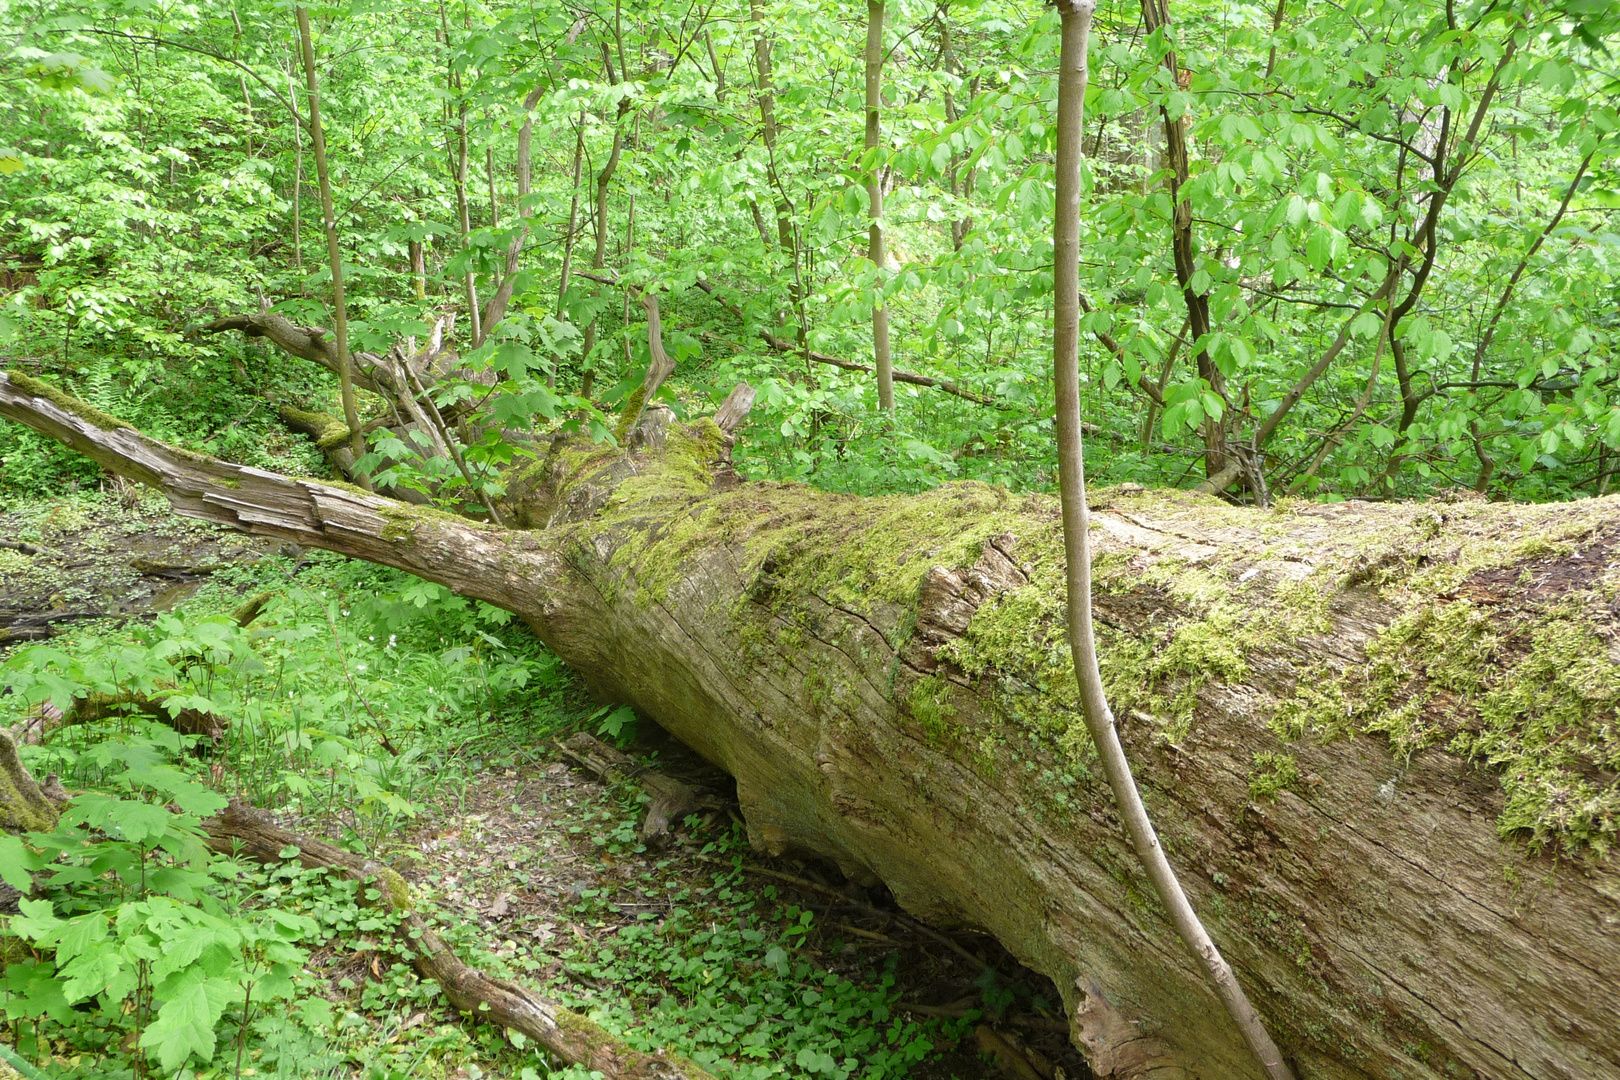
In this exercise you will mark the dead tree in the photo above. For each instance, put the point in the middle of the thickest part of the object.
(1378, 740)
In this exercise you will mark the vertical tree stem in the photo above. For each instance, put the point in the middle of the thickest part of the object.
(297, 191)
(573, 229)
(453, 86)
(874, 191)
(317, 136)
(1077, 16)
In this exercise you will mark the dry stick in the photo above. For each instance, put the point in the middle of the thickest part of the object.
(1076, 15)
(881, 356)
(317, 136)
(572, 1037)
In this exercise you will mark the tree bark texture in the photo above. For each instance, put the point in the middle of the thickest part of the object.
(1312, 696)
(334, 251)
(875, 247)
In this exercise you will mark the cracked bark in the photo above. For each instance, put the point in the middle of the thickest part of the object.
(790, 636)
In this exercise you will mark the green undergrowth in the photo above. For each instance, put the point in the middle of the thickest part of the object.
(364, 705)
(736, 977)
(357, 697)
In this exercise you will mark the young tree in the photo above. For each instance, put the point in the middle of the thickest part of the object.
(881, 357)
(340, 311)
(1072, 72)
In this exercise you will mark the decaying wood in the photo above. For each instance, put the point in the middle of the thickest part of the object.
(572, 1037)
(23, 806)
(876, 674)
(669, 800)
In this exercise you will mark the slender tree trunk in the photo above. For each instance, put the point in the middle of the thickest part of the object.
(496, 310)
(1156, 16)
(453, 89)
(340, 313)
(767, 124)
(881, 357)
(959, 226)
(418, 271)
(471, 281)
(603, 180)
(1077, 15)
(786, 238)
(573, 228)
(297, 190)
(489, 175)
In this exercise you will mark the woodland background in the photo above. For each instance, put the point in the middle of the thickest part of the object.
(1329, 252)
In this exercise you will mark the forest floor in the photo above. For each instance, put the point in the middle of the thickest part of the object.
(754, 967)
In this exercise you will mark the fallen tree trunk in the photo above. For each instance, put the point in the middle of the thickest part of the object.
(1379, 739)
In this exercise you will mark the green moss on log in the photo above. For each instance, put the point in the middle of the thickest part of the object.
(65, 401)
(23, 807)
(327, 430)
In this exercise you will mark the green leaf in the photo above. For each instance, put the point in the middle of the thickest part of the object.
(15, 863)
(80, 935)
(90, 974)
(185, 1024)
(1366, 324)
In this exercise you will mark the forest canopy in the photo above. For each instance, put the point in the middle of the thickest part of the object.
(1354, 251)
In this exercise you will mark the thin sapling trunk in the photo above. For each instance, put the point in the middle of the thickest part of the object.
(881, 357)
(340, 314)
(1077, 16)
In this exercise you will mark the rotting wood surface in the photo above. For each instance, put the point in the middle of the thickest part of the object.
(874, 673)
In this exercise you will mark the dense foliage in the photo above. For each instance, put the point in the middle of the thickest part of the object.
(1432, 185)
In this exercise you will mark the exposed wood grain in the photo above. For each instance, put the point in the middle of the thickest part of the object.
(793, 638)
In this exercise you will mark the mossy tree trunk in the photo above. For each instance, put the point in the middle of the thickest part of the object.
(23, 806)
(1379, 740)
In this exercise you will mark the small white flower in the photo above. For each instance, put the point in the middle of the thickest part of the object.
(361, 667)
